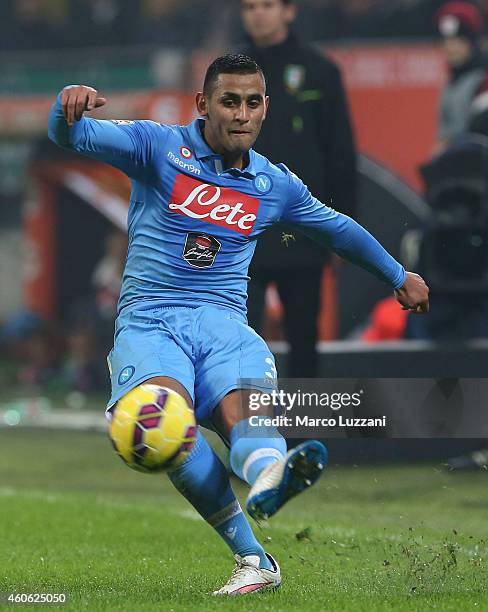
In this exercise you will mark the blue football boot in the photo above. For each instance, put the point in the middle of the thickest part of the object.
(284, 479)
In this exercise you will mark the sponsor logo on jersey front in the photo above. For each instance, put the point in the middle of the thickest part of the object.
(200, 249)
(212, 204)
(122, 121)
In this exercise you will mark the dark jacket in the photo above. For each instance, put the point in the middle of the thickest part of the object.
(308, 129)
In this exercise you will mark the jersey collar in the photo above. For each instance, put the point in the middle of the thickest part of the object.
(201, 150)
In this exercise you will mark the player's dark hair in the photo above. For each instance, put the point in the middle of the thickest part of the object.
(229, 64)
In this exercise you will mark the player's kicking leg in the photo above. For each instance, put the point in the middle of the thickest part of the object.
(259, 457)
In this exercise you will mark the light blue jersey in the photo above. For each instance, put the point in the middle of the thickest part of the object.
(193, 227)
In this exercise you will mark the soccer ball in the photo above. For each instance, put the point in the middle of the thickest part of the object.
(152, 428)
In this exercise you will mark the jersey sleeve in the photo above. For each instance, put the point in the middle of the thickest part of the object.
(127, 145)
(340, 233)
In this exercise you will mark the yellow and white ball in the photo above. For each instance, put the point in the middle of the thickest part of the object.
(152, 428)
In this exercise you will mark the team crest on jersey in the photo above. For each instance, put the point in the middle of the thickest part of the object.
(186, 153)
(221, 206)
(200, 249)
(263, 183)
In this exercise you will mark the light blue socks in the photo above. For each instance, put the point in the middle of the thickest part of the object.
(204, 481)
(250, 455)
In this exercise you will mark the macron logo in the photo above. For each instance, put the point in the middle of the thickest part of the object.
(182, 164)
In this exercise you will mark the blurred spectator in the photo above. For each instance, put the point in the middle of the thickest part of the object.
(31, 24)
(85, 369)
(96, 312)
(107, 276)
(387, 322)
(453, 246)
(329, 19)
(320, 20)
(452, 252)
(174, 23)
(455, 318)
(483, 6)
(460, 24)
(308, 129)
(362, 18)
(34, 349)
(25, 26)
(410, 18)
(100, 23)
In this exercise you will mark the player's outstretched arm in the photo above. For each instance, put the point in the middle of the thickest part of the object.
(353, 242)
(127, 145)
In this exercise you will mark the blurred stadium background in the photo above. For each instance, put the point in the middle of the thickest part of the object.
(62, 218)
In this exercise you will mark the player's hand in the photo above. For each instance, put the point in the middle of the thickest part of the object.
(414, 295)
(76, 99)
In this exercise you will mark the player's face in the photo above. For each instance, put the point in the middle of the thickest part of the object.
(267, 21)
(234, 113)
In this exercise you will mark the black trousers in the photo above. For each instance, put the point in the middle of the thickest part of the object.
(299, 291)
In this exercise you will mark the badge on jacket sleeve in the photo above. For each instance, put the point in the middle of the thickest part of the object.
(294, 77)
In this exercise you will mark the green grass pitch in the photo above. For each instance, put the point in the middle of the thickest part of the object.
(74, 519)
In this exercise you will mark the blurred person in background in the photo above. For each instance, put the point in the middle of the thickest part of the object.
(362, 18)
(309, 130)
(172, 23)
(107, 276)
(101, 23)
(34, 349)
(452, 244)
(464, 314)
(410, 18)
(25, 25)
(460, 25)
(106, 282)
(85, 369)
(320, 20)
(352, 19)
(385, 323)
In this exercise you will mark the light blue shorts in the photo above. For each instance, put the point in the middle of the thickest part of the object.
(210, 350)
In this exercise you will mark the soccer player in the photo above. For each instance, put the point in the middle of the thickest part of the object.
(200, 198)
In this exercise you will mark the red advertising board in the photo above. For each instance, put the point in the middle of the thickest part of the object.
(393, 93)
